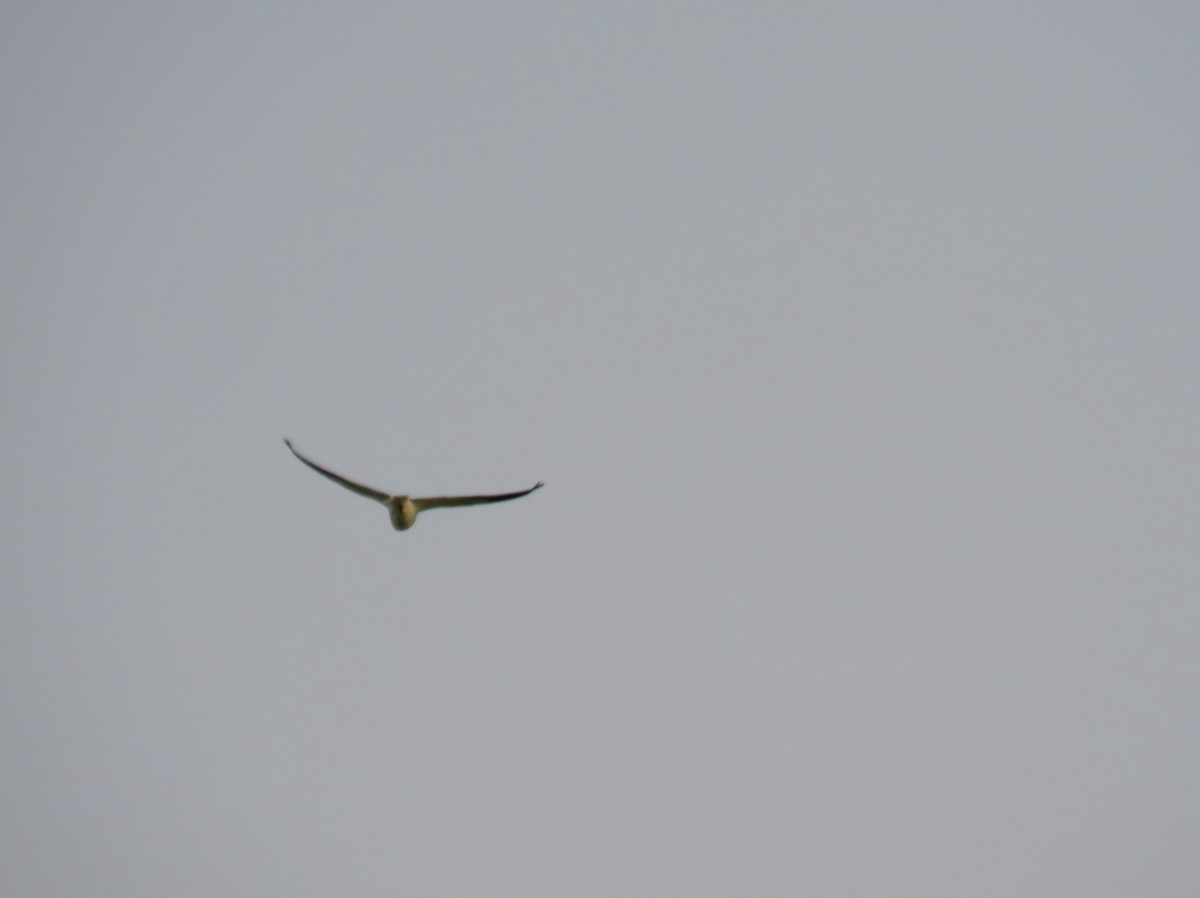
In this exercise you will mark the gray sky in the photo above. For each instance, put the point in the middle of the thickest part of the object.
(857, 344)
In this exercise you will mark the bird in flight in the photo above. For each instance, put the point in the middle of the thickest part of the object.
(404, 509)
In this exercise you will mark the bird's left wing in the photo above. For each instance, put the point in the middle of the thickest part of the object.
(448, 501)
(361, 489)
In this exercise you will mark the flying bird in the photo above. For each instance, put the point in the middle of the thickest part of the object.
(404, 509)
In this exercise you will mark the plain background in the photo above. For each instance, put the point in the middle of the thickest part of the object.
(856, 343)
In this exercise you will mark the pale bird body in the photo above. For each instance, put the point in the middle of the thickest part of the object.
(403, 510)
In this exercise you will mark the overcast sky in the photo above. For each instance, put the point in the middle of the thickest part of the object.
(857, 344)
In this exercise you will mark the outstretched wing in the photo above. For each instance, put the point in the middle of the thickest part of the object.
(339, 479)
(448, 501)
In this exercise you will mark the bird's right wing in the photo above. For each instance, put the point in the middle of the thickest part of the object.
(359, 488)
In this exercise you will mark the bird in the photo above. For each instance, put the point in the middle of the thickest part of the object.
(403, 510)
